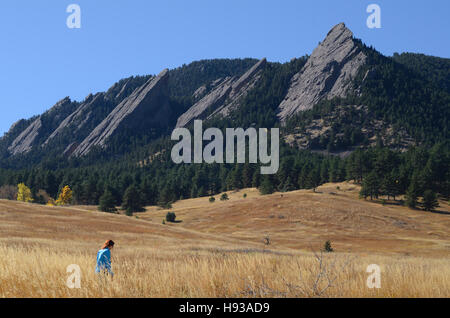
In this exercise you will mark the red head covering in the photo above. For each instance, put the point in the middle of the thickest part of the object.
(108, 243)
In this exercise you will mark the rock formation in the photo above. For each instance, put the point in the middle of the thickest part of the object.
(78, 118)
(147, 105)
(25, 141)
(223, 98)
(327, 73)
(210, 102)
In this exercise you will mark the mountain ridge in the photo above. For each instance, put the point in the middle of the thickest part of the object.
(339, 69)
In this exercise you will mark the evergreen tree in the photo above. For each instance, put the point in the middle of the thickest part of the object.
(288, 185)
(247, 176)
(107, 202)
(313, 179)
(370, 186)
(237, 177)
(411, 198)
(390, 185)
(256, 178)
(165, 196)
(430, 201)
(357, 165)
(413, 192)
(171, 217)
(132, 201)
(266, 186)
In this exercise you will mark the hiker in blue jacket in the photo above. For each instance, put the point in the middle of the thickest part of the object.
(104, 259)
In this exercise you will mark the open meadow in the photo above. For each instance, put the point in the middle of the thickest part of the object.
(257, 246)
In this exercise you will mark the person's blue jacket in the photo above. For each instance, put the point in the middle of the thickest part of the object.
(104, 261)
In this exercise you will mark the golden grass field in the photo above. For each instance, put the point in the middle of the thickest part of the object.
(218, 249)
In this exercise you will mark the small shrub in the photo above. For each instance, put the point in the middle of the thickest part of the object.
(42, 197)
(338, 188)
(129, 212)
(8, 192)
(224, 197)
(164, 221)
(327, 247)
(383, 202)
(212, 199)
(245, 195)
(170, 217)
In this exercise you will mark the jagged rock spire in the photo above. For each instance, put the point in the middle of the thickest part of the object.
(327, 73)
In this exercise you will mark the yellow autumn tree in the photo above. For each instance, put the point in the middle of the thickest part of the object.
(24, 193)
(65, 197)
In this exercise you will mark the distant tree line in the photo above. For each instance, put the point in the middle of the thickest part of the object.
(380, 171)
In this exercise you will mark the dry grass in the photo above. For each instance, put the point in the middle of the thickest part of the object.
(150, 272)
(218, 249)
(301, 219)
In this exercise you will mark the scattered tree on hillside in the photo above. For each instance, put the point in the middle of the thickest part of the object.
(370, 186)
(170, 217)
(357, 166)
(266, 186)
(390, 186)
(430, 201)
(24, 193)
(165, 197)
(65, 197)
(132, 201)
(314, 179)
(412, 194)
(107, 202)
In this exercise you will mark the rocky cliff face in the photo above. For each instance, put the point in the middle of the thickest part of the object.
(90, 113)
(25, 141)
(141, 106)
(211, 101)
(147, 105)
(76, 121)
(328, 73)
(224, 97)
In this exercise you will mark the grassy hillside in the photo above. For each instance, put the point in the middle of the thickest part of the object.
(218, 249)
(303, 219)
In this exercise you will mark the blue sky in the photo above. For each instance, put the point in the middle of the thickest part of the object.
(42, 61)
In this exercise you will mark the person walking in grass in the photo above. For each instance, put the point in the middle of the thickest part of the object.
(104, 259)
